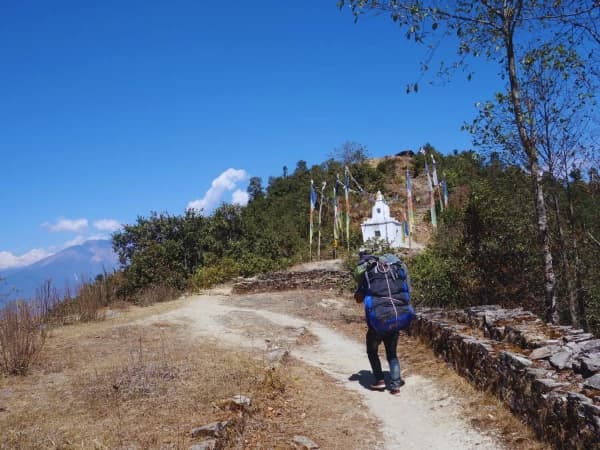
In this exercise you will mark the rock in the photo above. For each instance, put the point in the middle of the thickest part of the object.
(590, 364)
(537, 373)
(279, 281)
(212, 429)
(562, 360)
(304, 443)
(592, 382)
(209, 444)
(300, 331)
(548, 384)
(576, 396)
(575, 347)
(544, 352)
(592, 345)
(534, 387)
(277, 355)
(516, 362)
(241, 400)
(534, 340)
(578, 337)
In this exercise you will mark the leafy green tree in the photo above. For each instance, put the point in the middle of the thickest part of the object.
(482, 253)
(503, 32)
(255, 189)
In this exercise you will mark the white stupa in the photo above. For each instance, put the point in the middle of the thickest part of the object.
(381, 226)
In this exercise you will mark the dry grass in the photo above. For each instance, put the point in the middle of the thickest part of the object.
(116, 385)
(483, 411)
(22, 336)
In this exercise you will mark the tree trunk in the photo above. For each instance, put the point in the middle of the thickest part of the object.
(567, 268)
(579, 291)
(528, 143)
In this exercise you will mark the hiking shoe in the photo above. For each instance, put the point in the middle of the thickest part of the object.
(378, 386)
(395, 391)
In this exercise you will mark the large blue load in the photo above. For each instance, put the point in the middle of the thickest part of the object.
(387, 293)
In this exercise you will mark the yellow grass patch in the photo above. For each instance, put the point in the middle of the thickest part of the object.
(115, 384)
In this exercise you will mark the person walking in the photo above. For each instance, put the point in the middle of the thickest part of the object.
(376, 284)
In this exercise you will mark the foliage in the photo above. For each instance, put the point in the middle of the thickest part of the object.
(432, 281)
(207, 276)
(270, 232)
(527, 41)
(485, 250)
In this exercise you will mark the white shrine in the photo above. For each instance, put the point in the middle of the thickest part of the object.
(381, 226)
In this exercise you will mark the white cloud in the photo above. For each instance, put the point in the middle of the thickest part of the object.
(9, 260)
(227, 181)
(77, 240)
(80, 239)
(240, 197)
(72, 225)
(107, 225)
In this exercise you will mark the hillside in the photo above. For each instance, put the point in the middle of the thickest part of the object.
(395, 196)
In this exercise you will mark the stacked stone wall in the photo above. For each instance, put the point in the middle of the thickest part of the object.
(283, 281)
(548, 375)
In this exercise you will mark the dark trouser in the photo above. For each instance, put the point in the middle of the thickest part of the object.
(390, 341)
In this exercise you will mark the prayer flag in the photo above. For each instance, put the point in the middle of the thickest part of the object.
(445, 188)
(320, 215)
(313, 202)
(434, 171)
(347, 198)
(411, 213)
(429, 183)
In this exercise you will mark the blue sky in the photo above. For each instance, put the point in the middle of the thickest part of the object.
(114, 109)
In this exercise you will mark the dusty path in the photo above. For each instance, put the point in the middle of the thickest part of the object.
(423, 417)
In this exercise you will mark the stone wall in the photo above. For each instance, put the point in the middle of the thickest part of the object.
(548, 375)
(283, 281)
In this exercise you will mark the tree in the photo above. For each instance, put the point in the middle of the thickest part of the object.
(502, 32)
(350, 153)
(560, 106)
(255, 189)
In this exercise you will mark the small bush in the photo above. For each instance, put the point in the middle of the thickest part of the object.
(251, 264)
(88, 303)
(22, 336)
(432, 283)
(156, 294)
(221, 271)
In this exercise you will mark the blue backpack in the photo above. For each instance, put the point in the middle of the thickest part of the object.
(387, 299)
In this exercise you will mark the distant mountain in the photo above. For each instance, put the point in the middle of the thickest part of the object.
(67, 267)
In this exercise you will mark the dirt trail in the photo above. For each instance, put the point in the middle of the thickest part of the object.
(423, 417)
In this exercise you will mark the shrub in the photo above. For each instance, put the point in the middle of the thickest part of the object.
(432, 283)
(156, 294)
(22, 336)
(220, 271)
(251, 264)
(88, 303)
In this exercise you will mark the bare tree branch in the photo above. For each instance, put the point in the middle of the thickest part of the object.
(594, 239)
